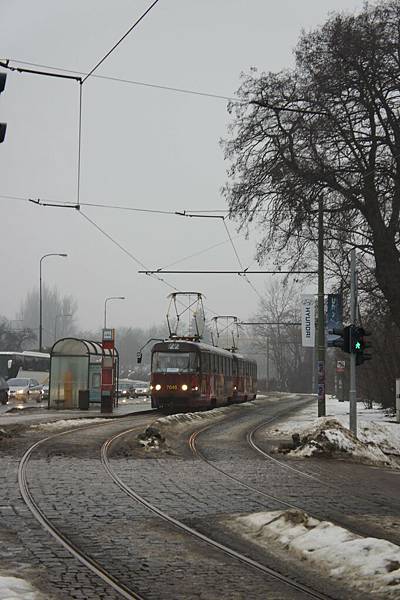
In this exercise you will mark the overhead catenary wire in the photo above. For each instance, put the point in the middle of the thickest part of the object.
(240, 264)
(229, 272)
(156, 86)
(132, 256)
(120, 41)
(78, 192)
(195, 254)
(81, 81)
(213, 216)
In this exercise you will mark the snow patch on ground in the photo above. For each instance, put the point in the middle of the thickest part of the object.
(367, 563)
(14, 588)
(377, 442)
(66, 423)
(328, 437)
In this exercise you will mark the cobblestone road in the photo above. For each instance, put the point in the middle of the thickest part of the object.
(149, 555)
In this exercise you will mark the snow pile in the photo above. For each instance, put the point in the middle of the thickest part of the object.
(65, 423)
(328, 437)
(368, 563)
(14, 588)
(378, 439)
(384, 435)
(208, 415)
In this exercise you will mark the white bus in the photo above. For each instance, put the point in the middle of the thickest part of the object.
(35, 365)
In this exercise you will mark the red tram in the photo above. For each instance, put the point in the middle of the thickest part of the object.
(187, 374)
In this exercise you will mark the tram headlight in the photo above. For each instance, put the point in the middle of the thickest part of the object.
(184, 387)
(158, 387)
(195, 389)
(151, 387)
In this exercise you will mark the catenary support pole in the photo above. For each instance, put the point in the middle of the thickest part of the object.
(321, 313)
(353, 304)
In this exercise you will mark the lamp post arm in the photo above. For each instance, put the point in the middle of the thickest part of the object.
(139, 353)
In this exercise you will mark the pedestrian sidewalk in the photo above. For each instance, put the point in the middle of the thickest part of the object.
(34, 414)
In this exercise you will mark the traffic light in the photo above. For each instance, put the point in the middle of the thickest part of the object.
(359, 344)
(3, 126)
(346, 335)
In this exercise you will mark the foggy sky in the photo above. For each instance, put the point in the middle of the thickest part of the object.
(141, 147)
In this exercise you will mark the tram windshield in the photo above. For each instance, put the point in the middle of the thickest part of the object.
(175, 362)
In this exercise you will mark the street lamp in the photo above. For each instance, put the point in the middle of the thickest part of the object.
(55, 324)
(105, 307)
(40, 295)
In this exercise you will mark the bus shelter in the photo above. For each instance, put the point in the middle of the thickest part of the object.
(75, 372)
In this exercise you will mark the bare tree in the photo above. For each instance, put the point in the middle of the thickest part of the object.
(290, 363)
(59, 313)
(15, 339)
(327, 130)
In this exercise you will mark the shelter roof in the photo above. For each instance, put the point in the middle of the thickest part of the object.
(79, 347)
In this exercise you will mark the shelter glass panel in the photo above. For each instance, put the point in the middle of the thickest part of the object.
(69, 374)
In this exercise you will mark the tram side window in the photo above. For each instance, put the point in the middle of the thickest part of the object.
(205, 362)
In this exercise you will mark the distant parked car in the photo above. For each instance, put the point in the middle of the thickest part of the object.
(23, 389)
(125, 389)
(45, 391)
(3, 390)
(141, 389)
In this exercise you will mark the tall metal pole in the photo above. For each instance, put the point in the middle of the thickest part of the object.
(63, 255)
(267, 364)
(40, 305)
(105, 306)
(353, 304)
(321, 313)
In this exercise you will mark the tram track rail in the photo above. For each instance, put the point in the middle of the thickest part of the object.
(83, 557)
(250, 439)
(121, 588)
(232, 553)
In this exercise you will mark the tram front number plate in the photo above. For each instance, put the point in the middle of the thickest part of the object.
(172, 387)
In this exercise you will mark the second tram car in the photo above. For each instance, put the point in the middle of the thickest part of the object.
(186, 374)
